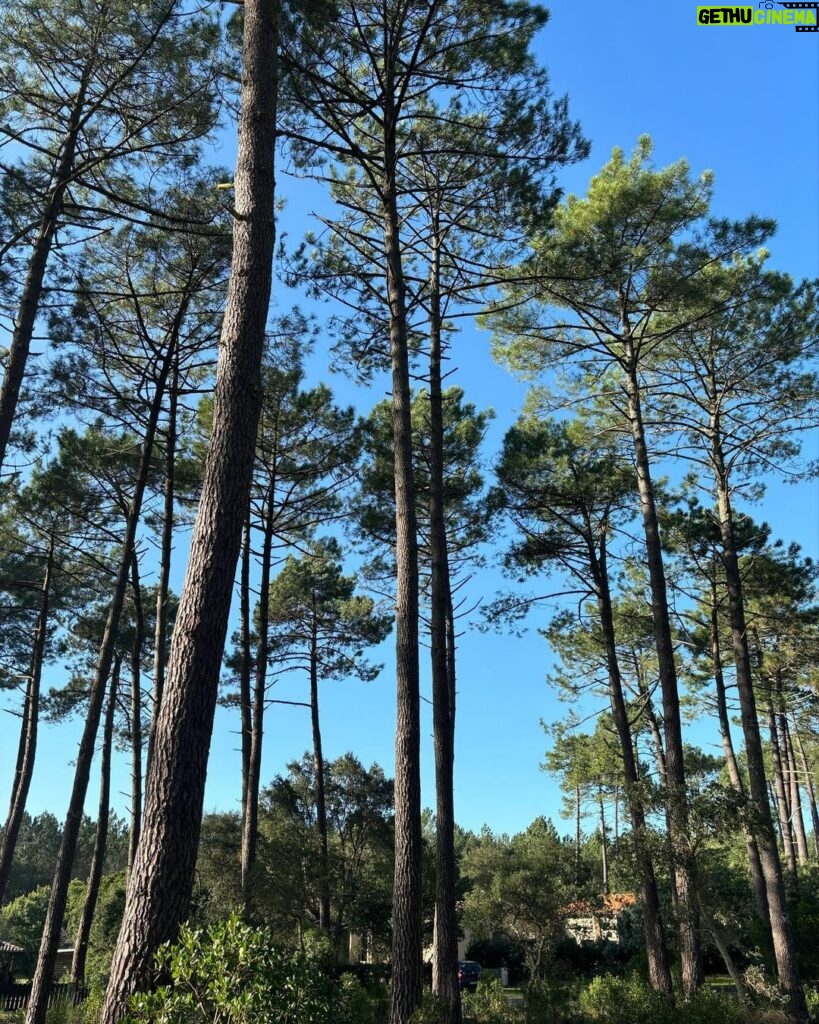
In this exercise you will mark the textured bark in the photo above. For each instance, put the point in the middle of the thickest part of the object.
(136, 713)
(734, 774)
(782, 794)
(28, 730)
(784, 948)
(405, 990)
(318, 771)
(616, 813)
(808, 776)
(445, 935)
(41, 983)
(161, 881)
(723, 944)
(578, 835)
(795, 798)
(245, 698)
(604, 843)
(165, 555)
(250, 817)
(32, 293)
(684, 865)
(659, 967)
(101, 837)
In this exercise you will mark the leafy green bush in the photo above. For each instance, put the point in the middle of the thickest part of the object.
(21, 922)
(366, 1003)
(622, 1001)
(488, 1005)
(234, 974)
(630, 1000)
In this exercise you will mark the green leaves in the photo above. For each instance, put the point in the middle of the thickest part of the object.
(314, 612)
(232, 973)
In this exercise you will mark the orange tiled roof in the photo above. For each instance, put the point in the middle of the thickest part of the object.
(611, 903)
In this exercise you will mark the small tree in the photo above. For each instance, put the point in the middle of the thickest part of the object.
(319, 624)
(518, 887)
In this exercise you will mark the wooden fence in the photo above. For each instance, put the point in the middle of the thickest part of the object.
(15, 997)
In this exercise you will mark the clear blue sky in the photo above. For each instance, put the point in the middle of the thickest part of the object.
(743, 103)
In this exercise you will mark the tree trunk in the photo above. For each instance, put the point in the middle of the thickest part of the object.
(734, 774)
(684, 864)
(136, 714)
(784, 948)
(795, 799)
(604, 846)
(782, 802)
(578, 837)
(814, 814)
(24, 321)
(101, 838)
(166, 552)
(723, 945)
(245, 697)
(405, 989)
(318, 771)
(49, 942)
(161, 881)
(250, 818)
(28, 729)
(659, 967)
(445, 937)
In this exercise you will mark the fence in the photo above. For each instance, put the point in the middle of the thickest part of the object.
(15, 997)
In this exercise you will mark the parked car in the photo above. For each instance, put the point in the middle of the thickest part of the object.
(468, 973)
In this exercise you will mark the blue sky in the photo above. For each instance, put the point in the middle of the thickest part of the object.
(743, 103)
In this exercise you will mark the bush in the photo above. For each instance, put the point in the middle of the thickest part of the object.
(488, 1005)
(630, 1000)
(233, 972)
(622, 1001)
(367, 1003)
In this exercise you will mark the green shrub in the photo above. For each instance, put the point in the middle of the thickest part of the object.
(622, 1001)
(710, 1007)
(234, 973)
(630, 1000)
(488, 1005)
(366, 1004)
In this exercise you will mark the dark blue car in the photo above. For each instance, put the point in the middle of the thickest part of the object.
(468, 973)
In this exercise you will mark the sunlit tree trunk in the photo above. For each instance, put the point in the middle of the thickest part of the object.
(250, 818)
(809, 788)
(734, 774)
(659, 967)
(318, 771)
(445, 938)
(604, 843)
(166, 553)
(676, 796)
(27, 747)
(101, 837)
(784, 948)
(781, 791)
(38, 1000)
(161, 881)
(24, 321)
(245, 666)
(795, 797)
(136, 713)
(405, 990)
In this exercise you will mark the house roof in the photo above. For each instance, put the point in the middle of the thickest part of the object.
(611, 903)
(9, 947)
